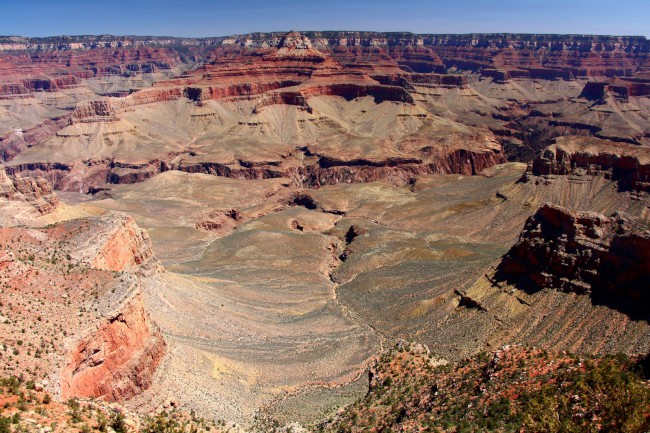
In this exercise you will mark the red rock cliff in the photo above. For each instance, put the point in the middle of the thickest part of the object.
(118, 360)
(121, 246)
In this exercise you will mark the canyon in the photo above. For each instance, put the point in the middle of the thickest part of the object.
(239, 227)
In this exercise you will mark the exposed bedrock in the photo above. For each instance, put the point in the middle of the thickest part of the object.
(205, 92)
(35, 191)
(54, 65)
(298, 97)
(526, 56)
(627, 164)
(12, 144)
(57, 66)
(399, 171)
(91, 110)
(120, 245)
(77, 176)
(116, 361)
(31, 85)
(607, 258)
(294, 98)
(219, 221)
(86, 276)
(351, 91)
(440, 80)
(621, 89)
(324, 170)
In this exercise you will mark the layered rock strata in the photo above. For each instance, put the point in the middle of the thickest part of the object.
(117, 361)
(607, 258)
(37, 192)
(627, 164)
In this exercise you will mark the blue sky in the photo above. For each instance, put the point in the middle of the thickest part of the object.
(217, 18)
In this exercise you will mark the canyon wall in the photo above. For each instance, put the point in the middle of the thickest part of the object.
(117, 361)
(501, 56)
(625, 163)
(607, 258)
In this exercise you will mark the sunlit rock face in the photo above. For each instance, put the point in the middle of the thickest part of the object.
(241, 225)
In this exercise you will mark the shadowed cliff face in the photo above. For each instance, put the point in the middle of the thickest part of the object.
(607, 258)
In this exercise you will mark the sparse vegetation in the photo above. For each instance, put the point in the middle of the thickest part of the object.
(85, 416)
(515, 390)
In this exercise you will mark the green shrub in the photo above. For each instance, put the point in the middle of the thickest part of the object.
(606, 397)
(117, 423)
(5, 424)
(102, 423)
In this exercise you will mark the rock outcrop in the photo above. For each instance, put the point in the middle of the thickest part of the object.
(627, 164)
(607, 258)
(620, 88)
(94, 110)
(468, 160)
(37, 192)
(117, 361)
(118, 244)
(220, 221)
(78, 285)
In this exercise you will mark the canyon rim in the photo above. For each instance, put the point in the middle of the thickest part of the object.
(324, 231)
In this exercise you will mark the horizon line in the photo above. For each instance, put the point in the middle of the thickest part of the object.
(322, 31)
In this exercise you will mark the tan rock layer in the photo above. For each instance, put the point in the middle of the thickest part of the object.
(33, 190)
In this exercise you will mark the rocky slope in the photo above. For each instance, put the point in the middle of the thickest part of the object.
(514, 389)
(88, 333)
